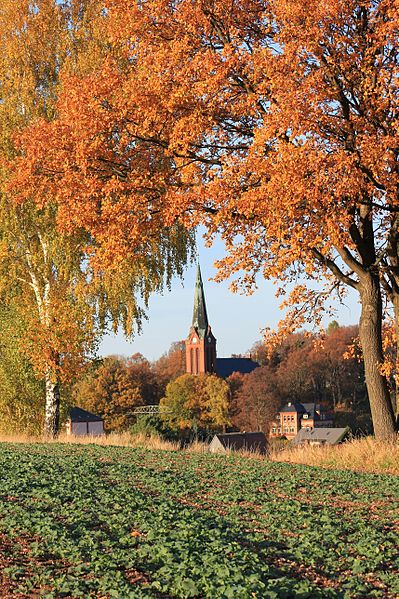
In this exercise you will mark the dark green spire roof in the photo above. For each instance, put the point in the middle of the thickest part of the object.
(200, 317)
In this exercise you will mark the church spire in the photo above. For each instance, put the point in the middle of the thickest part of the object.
(200, 343)
(200, 317)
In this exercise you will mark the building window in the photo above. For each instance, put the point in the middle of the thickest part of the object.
(194, 359)
(291, 429)
(274, 429)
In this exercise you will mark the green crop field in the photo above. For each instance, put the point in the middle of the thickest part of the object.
(90, 521)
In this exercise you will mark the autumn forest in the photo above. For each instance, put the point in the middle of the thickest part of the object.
(126, 125)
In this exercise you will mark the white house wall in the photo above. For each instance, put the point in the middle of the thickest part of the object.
(216, 446)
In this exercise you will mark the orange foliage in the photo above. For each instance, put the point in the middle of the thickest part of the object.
(256, 401)
(171, 364)
(62, 343)
(247, 111)
(111, 392)
(273, 123)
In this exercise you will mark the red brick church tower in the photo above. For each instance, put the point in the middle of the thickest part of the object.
(200, 343)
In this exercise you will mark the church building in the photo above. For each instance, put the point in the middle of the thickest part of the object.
(201, 343)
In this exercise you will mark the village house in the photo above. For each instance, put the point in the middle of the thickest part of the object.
(321, 436)
(81, 422)
(296, 416)
(252, 442)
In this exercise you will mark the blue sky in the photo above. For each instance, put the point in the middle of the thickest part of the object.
(236, 320)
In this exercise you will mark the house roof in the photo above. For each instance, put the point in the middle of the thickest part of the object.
(294, 407)
(313, 410)
(80, 415)
(226, 366)
(311, 406)
(330, 436)
(235, 441)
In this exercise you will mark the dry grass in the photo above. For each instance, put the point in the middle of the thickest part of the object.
(197, 447)
(19, 438)
(118, 439)
(201, 447)
(365, 455)
(123, 440)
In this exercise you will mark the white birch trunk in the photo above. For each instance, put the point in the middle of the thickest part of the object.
(41, 288)
(52, 413)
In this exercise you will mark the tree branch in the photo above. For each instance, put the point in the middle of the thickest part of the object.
(337, 272)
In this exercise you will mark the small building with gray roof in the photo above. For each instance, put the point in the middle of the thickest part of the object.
(255, 442)
(81, 422)
(321, 436)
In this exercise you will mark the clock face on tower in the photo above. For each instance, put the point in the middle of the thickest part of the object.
(195, 340)
(209, 340)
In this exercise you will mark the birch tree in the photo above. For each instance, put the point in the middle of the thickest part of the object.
(67, 301)
(21, 392)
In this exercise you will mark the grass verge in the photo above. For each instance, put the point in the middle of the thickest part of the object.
(362, 455)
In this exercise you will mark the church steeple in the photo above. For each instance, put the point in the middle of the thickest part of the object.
(200, 343)
(200, 317)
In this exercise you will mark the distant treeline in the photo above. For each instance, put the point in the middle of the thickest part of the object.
(303, 368)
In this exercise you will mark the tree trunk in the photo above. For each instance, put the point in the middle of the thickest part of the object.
(52, 417)
(371, 341)
(396, 370)
(340, 398)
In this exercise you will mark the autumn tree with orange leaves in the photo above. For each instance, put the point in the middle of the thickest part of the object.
(116, 387)
(273, 123)
(257, 401)
(66, 301)
(171, 364)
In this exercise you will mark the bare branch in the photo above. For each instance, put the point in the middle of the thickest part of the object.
(332, 266)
